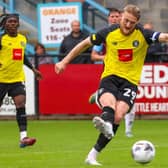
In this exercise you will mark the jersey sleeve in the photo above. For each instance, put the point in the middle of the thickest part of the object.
(151, 36)
(99, 37)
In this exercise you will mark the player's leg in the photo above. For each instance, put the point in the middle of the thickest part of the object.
(18, 94)
(128, 95)
(106, 101)
(3, 91)
(102, 141)
(129, 120)
(105, 124)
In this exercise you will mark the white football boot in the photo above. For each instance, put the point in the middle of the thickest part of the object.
(91, 158)
(104, 127)
(92, 162)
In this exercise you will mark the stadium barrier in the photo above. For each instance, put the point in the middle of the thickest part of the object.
(68, 92)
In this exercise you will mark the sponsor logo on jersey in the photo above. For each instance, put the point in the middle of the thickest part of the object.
(17, 54)
(125, 54)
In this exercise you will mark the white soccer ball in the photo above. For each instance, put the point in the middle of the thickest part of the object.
(143, 151)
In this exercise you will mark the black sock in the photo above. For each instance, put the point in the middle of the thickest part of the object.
(108, 114)
(21, 118)
(101, 142)
(115, 128)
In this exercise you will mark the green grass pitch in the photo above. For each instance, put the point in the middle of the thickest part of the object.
(65, 144)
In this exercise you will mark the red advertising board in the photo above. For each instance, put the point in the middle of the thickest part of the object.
(152, 97)
(68, 92)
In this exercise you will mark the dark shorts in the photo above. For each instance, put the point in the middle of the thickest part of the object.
(12, 89)
(121, 88)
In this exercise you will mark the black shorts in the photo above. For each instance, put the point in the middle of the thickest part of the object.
(121, 88)
(12, 89)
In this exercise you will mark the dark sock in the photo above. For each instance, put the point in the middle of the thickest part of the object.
(108, 114)
(115, 128)
(21, 119)
(101, 142)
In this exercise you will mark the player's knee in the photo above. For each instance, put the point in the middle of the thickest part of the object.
(107, 100)
(20, 101)
(20, 104)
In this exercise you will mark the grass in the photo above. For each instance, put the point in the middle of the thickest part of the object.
(65, 144)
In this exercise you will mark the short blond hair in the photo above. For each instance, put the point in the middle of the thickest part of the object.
(134, 10)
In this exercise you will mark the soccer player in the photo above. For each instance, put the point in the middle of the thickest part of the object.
(98, 54)
(126, 47)
(12, 59)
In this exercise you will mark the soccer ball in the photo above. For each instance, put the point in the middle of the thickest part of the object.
(143, 151)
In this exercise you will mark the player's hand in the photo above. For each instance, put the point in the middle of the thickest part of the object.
(59, 67)
(38, 74)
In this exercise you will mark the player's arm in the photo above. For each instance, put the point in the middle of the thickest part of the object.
(27, 63)
(36, 72)
(79, 48)
(163, 37)
(95, 56)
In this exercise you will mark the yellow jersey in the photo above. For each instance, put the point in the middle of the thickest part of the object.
(124, 54)
(11, 58)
